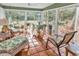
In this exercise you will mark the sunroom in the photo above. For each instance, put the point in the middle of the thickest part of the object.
(39, 29)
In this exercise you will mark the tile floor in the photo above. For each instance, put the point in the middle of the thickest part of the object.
(37, 48)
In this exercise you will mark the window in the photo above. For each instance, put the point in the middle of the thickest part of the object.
(33, 15)
(13, 15)
(30, 15)
(37, 15)
(51, 15)
(66, 19)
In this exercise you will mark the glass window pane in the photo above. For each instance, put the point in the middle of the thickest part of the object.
(66, 19)
(52, 19)
(30, 15)
(51, 15)
(13, 15)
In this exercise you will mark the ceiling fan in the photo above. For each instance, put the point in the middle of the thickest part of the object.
(32, 4)
(28, 4)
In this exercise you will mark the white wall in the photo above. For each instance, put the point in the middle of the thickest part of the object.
(3, 19)
(2, 13)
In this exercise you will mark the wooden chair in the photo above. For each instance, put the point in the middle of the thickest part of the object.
(66, 39)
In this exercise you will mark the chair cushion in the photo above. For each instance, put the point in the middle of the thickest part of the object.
(5, 54)
(74, 48)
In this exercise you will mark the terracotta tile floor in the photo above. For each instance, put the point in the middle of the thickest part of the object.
(37, 48)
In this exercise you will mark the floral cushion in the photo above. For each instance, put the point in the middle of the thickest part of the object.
(11, 43)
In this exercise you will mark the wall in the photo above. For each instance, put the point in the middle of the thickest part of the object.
(2, 14)
(3, 19)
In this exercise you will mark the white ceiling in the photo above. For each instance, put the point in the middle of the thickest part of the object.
(28, 5)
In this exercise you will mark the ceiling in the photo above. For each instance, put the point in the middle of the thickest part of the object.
(28, 5)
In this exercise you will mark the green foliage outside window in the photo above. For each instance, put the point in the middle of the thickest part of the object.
(65, 15)
(51, 15)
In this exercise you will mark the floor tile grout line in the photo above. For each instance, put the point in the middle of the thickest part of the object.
(39, 45)
(42, 50)
(49, 46)
(39, 51)
(34, 44)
